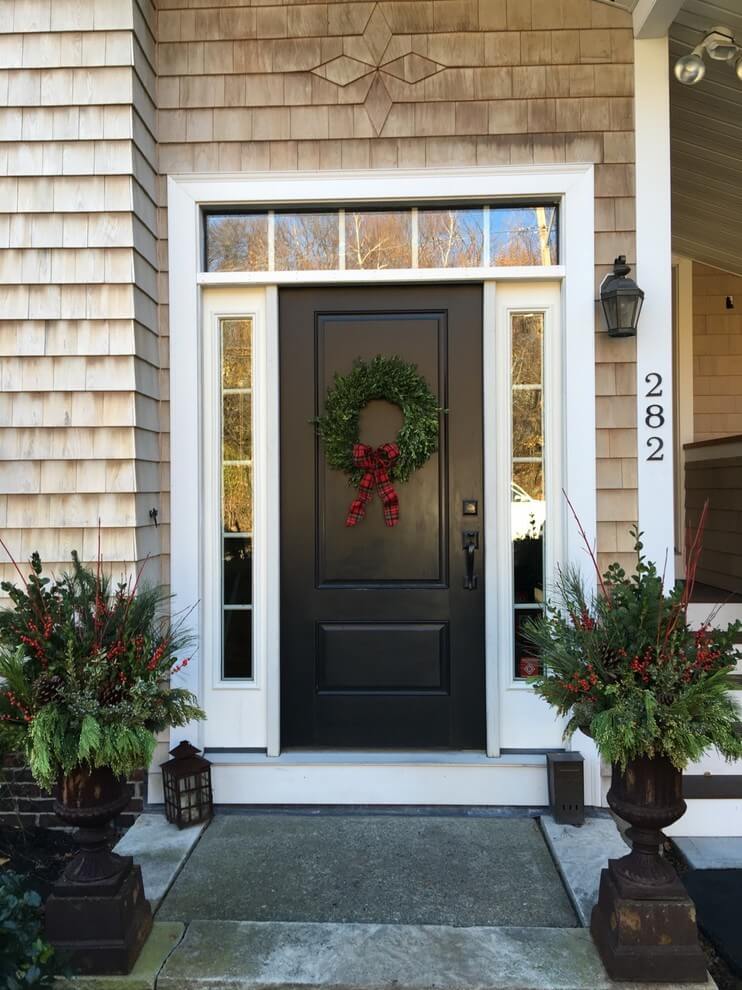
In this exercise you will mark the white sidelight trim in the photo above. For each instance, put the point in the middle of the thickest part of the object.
(186, 456)
(652, 18)
(654, 274)
(195, 300)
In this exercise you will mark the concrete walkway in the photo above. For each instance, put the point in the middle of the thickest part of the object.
(390, 869)
(293, 902)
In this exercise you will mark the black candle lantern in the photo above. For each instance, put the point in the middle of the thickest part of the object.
(186, 781)
(621, 299)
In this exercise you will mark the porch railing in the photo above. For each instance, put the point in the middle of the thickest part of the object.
(713, 471)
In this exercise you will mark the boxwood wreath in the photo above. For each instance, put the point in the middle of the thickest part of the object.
(393, 380)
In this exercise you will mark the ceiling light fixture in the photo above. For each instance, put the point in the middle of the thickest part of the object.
(720, 45)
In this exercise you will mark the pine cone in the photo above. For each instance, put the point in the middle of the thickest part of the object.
(110, 694)
(47, 688)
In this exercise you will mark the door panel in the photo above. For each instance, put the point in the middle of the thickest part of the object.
(381, 645)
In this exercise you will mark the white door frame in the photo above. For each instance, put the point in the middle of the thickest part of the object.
(573, 185)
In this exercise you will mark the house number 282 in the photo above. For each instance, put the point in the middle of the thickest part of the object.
(654, 416)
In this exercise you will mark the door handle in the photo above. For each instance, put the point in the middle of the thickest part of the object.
(470, 543)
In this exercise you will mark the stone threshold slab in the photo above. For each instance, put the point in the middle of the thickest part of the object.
(241, 955)
(160, 849)
(580, 853)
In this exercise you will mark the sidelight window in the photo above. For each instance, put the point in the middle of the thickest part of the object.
(415, 237)
(237, 497)
(528, 505)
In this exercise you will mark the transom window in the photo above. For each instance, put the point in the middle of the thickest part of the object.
(464, 237)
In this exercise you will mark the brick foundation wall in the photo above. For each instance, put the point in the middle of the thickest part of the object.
(23, 802)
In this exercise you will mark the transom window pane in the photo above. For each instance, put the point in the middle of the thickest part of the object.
(466, 236)
(237, 497)
(523, 236)
(528, 505)
(237, 242)
(450, 238)
(378, 240)
(306, 241)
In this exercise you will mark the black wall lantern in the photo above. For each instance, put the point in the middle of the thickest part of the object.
(621, 299)
(186, 780)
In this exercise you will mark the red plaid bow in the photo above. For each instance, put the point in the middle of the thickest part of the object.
(375, 464)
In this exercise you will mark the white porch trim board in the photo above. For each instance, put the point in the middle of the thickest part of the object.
(654, 346)
(269, 778)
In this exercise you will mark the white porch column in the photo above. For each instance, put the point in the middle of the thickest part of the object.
(654, 275)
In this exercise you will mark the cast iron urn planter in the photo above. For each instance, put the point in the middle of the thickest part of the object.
(97, 914)
(644, 923)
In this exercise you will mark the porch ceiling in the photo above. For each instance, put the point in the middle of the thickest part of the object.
(706, 144)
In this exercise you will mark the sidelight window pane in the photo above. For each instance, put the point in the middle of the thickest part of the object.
(527, 501)
(236, 354)
(237, 497)
(450, 238)
(527, 664)
(306, 241)
(237, 570)
(236, 426)
(237, 640)
(375, 239)
(237, 242)
(524, 235)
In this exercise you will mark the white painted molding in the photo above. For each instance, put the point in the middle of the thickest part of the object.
(652, 18)
(186, 461)
(572, 185)
(654, 274)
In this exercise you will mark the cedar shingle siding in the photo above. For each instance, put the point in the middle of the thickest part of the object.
(101, 99)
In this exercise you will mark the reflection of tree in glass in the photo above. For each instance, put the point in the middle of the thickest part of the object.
(306, 241)
(237, 427)
(527, 423)
(450, 238)
(236, 353)
(237, 499)
(378, 240)
(237, 243)
(523, 236)
(527, 345)
(529, 478)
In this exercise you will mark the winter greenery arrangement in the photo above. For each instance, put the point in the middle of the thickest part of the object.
(86, 671)
(627, 669)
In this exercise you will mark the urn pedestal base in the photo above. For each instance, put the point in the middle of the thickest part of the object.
(100, 927)
(644, 923)
(647, 934)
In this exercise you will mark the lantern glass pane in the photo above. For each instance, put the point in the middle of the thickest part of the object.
(627, 308)
(610, 310)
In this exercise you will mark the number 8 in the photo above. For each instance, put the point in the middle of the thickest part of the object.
(655, 416)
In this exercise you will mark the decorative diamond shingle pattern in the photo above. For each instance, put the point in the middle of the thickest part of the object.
(343, 70)
(377, 48)
(412, 68)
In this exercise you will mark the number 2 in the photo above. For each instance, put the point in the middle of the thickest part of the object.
(655, 454)
(655, 390)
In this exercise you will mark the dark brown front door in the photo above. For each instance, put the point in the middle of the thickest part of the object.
(381, 643)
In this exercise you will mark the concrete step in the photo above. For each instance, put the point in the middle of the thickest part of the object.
(241, 955)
